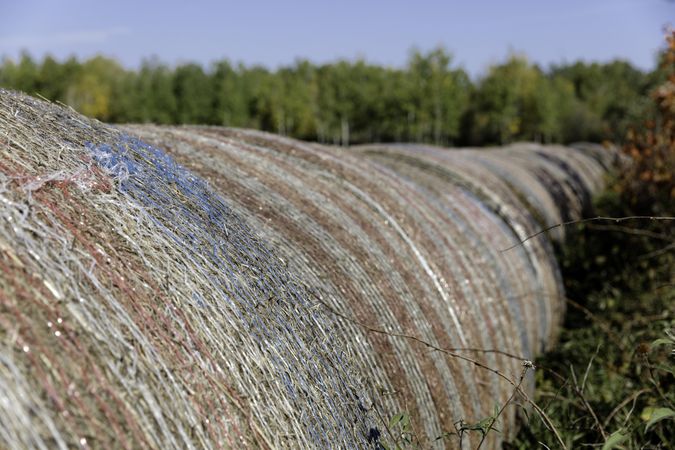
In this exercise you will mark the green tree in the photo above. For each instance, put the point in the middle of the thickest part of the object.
(54, 78)
(193, 93)
(348, 102)
(230, 97)
(515, 101)
(156, 89)
(91, 91)
(439, 96)
(611, 96)
(299, 101)
(21, 76)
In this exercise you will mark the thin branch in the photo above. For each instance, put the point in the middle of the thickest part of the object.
(415, 338)
(586, 404)
(545, 418)
(658, 252)
(663, 286)
(526, 366)
(591, 219)
(626, 401)
(588, 368)
(631, 230)
(385, 424)
(600, 322)
(656, 384)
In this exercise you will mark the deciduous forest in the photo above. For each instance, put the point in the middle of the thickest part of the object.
(430, 100)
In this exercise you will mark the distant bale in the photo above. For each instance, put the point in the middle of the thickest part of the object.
(199, 287)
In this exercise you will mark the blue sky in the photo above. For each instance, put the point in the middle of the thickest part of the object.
(273, 33)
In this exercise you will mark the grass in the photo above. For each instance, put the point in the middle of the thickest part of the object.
(610, 383)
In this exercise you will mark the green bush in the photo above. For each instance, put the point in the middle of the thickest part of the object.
(611, 381)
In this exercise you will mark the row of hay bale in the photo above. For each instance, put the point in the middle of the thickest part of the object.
(197, 287)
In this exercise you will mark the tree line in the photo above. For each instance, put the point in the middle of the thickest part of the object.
(428, 100)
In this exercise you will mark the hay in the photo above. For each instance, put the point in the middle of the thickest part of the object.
(146, 312)
(216, 295)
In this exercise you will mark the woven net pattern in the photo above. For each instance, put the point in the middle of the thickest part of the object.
(202, 287)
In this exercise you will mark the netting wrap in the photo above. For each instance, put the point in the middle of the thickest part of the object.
(196, 287)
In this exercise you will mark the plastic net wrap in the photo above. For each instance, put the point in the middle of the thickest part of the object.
(195, 287)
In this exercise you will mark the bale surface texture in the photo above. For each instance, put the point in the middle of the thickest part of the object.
(203, 287)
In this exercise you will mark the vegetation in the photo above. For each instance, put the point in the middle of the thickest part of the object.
(611, 381)
(429, 100)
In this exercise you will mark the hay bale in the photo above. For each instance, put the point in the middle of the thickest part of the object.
(240, 289)
(139, 310)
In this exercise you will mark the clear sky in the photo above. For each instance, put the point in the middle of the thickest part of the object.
(273, 33)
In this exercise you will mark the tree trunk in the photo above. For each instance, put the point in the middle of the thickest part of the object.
(345, 132)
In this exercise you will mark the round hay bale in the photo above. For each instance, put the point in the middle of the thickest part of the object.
(202, 287)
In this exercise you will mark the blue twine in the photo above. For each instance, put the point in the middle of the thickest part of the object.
(199, 221)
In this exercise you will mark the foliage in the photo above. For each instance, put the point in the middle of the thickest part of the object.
(429, 100)
(611, 382)
(516, 101)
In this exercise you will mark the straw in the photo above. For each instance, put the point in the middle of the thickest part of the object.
(203, 287)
